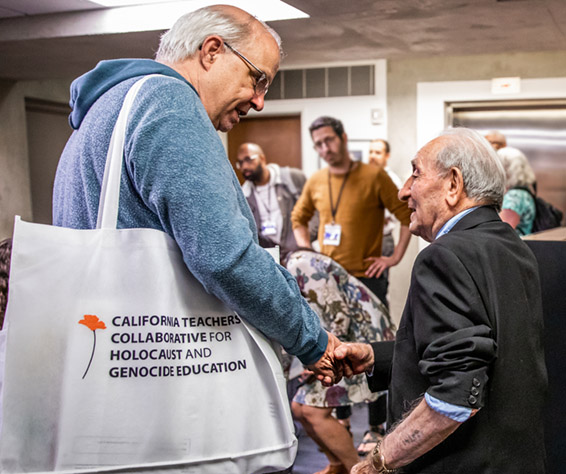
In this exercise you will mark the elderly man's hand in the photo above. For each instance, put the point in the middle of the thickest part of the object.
(364, 467)
(327, 369)
(357, 357)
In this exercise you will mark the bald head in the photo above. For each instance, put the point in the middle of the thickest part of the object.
(234, 25)
(251, 148)
(496, 139)
(228, 56)
(252, 163)
(379, 153)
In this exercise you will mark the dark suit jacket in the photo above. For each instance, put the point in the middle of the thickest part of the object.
(471, 335)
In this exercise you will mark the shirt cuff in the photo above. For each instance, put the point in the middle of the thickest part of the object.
(454, 412)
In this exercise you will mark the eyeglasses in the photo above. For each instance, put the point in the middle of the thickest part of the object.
(261, 82)
(326, 142)
(246, 161)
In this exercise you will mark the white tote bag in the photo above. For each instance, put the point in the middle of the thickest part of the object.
(118, 360)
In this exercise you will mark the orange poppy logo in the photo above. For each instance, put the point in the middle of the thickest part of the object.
(93, 323)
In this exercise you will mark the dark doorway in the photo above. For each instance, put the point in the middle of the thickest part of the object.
(279, 137)
(48, 130)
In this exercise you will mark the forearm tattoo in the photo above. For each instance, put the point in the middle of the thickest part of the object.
(412, 438)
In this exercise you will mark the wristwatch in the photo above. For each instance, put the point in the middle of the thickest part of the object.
(378, 460)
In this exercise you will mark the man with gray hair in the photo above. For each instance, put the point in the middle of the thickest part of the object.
(470, 338)
(212, 67)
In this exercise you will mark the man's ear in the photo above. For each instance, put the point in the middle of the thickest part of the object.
(211, 47)
(455, 187)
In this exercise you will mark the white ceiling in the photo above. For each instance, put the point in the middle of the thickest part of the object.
(63, 38)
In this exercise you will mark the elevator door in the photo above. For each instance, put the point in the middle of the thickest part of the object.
(537, 128)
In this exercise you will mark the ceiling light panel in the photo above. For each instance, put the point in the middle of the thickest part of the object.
(169, 11)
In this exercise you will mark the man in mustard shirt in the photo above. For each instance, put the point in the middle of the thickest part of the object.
(351, 198)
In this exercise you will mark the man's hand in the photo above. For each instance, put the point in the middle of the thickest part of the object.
(302, 237)
(364, 467)
(378, 265)
(327, 369)
(357, 357)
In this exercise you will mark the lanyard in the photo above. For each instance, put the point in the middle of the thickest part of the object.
(259, 200)
(333, 209)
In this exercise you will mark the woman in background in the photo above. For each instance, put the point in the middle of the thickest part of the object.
(518, 208)
(350, 311)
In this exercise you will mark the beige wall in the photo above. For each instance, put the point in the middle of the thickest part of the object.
(403, 76)
(15, 194)
(15, 197)
(402, 79)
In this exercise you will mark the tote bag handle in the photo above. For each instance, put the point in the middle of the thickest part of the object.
(108, 218)
(110, 191)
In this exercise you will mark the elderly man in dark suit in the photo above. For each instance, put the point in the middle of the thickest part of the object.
(468, 378)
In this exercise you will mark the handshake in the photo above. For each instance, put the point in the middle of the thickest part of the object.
(342, 360)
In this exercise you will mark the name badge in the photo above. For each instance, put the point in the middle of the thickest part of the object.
(332, 233)
(268, 228)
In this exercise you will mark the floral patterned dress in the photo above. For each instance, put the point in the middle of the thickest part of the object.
(350, 311)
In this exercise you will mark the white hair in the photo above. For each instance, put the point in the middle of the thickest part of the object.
(482, 172)
(518, 171)
(189, 32)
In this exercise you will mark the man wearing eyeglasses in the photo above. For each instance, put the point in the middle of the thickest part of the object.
(351, 198)
(271, 191)
(212, 67)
